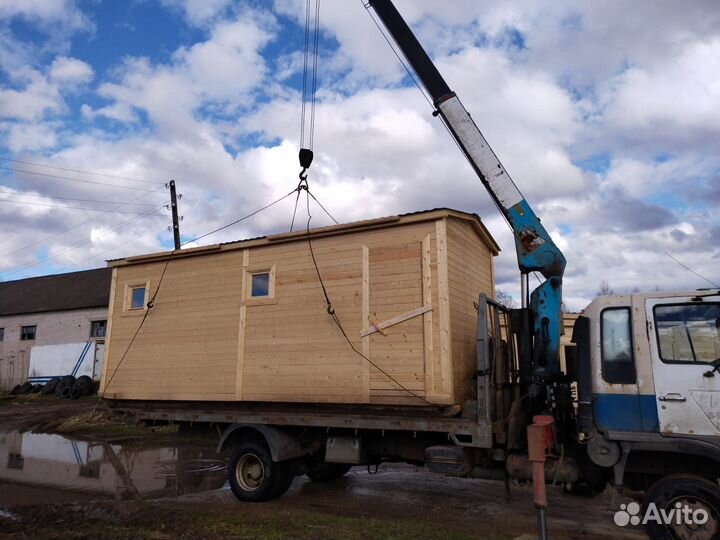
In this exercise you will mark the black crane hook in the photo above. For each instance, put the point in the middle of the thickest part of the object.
(306, 157)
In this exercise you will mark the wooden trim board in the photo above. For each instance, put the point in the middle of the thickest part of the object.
(241, 328)
(379, 327)
(366, 320)
(445, 382)
(427, 316)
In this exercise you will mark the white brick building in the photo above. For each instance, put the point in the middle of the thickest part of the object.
(55, 316)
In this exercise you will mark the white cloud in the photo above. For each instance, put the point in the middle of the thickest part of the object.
(46, 12)
(66, 70)
(222, 70)
(548, 84)
(26, 137)
(35, 99)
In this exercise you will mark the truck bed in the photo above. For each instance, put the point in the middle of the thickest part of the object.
(433, 420)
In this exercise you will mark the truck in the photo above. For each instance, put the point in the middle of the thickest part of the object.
(637, 406)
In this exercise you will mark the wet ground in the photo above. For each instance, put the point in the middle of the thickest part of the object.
(170, 486)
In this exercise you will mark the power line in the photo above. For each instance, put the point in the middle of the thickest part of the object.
(693, 271)
(80, 171)
(241, 219)
(92, 218)
(68, 198)
(151, 302)
(73, 246)
(78, 208)
(74, 179)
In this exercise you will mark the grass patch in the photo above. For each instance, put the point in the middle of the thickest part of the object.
(250, 522)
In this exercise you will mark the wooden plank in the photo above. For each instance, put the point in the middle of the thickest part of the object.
(239, 370)
(365, 320)
(427, 316)
(395, 320)
(445, 382)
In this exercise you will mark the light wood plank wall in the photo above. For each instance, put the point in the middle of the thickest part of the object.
(206, 339)
(470, 272)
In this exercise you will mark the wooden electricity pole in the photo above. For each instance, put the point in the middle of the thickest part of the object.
(175, 219)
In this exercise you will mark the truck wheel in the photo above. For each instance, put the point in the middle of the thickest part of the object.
(286, 481)
(701, 496)
(328, 471)
(254, 476)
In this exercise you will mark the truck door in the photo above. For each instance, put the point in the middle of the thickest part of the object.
(684, 338)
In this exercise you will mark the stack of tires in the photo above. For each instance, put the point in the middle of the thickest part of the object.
(67, 387)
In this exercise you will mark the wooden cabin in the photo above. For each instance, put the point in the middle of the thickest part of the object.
(248, 321)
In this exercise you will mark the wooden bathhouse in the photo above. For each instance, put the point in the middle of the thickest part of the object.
(248, 320)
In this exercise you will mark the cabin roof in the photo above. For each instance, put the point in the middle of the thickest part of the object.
(59, 292)
(332, 230)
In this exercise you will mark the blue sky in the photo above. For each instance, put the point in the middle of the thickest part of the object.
(607, 119)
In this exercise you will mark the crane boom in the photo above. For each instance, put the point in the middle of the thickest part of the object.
(536, 251)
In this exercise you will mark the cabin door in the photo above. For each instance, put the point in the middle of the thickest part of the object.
(396, 323)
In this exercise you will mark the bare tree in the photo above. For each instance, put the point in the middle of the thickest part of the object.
(605, 289)
(504, 298)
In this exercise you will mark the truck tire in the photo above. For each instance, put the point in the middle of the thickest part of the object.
(49, 387)
(63, 382)
(254, 476)
(24, 388)
(684, 489)
(82, 387)
(328, 471)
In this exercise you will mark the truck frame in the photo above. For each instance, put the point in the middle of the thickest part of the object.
(639, 406)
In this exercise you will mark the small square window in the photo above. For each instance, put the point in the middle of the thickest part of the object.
(98, 328)
(260, 285)
(2, 334)
(27, 333)
(137, 298)
(15, 461)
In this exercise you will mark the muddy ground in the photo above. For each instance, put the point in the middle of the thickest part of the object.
(399, 502)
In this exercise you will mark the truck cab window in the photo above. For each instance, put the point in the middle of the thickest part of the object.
(618, 360)
(688, 333)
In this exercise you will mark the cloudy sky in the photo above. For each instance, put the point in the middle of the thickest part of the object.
(608, 119)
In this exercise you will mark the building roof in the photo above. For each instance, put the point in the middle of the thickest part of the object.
(333, 230)
(60, 292)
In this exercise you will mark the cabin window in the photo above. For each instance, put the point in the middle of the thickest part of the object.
(618, 360)
(2, 334)
(260, 286)
(688, 333)
(137, 297)
(98, 329)
(27, 333)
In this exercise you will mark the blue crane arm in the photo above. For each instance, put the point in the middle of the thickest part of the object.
(536, 251)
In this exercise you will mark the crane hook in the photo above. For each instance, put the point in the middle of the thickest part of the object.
(306, 157)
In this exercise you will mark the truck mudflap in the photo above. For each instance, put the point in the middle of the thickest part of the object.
(282, 445)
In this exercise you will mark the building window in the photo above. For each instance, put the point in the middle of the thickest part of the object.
(98, 329)
(137, 297)
(27, 333)
(688, 333)
(260, 285)
(15, 461)
(90, 470)
(2, 334)
(618, 360)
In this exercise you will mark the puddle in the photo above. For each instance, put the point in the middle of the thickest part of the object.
(38, 468)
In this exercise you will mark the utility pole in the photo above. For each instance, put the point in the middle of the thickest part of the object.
(175, 219)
